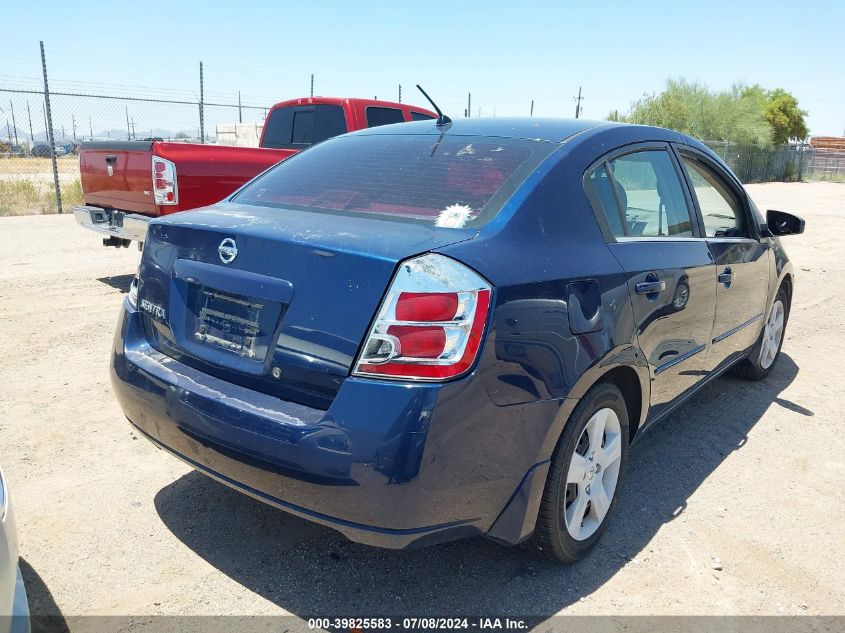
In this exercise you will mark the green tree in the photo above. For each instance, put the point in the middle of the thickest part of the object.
(694, 109)
(742, 114)
(785, 117)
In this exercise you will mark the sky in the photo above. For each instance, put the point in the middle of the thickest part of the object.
(505, 53)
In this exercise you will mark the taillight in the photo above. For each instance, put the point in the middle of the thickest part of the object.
(430, 324)
(164, 181)
(133, 290)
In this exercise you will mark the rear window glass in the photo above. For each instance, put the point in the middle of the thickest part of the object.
(419, 116)
(449, 182)
(383, 116)
(296, 127)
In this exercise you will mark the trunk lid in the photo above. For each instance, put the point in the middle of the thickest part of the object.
(288, 312)
(118, 174)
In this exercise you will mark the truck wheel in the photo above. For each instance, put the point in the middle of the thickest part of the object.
(585, 477)
(766, 352)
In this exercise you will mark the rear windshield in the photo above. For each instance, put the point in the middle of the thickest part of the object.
(446, 181)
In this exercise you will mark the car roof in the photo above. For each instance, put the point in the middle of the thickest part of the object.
(534, 128)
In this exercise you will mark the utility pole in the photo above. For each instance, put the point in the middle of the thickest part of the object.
(14, 125)
(312, 84)
(532, 108)
(133, 128)
(90, 127)
(29, 115)
(63, 133)
(73, 122)
(202, 114)
(578, 100)
(469, 104)
(128, 129)
(9, 132)
(400, 93)
(240, 114)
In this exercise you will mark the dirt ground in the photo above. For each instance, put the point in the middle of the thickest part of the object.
(735, 505)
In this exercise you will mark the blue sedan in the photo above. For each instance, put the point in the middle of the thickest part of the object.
(423, 332)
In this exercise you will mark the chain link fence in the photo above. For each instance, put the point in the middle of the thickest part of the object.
(26, 170)
(29, 176)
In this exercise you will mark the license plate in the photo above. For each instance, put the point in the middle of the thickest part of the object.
(229, 322)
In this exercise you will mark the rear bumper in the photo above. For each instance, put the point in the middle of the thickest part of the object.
(388, 464)
(112, 223)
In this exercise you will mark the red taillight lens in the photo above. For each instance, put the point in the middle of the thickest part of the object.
(164, 181)
(426, 306)
(430, 335)
(419, 342)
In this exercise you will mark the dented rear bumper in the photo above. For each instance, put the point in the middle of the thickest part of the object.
(389, 464)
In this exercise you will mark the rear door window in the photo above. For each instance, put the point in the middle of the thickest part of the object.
(419, 116)
(383, 116)
(640, 195)
(297, 127)
(449, 182)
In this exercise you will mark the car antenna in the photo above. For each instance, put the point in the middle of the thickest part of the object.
(442, 119)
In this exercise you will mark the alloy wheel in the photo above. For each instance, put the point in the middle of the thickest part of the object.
(772, 335)
(593, 474)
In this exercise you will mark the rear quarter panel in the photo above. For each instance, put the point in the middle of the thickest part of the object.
(562, 315)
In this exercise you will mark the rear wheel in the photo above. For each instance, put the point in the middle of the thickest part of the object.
(765, 354)
(586, 473)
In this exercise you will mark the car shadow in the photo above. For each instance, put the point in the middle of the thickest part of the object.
(45, 615)
(119, 282)
(310, 570)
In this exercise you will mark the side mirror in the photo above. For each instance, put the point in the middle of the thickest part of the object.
(783, 223)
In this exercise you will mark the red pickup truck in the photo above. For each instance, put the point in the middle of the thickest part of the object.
(126, 183)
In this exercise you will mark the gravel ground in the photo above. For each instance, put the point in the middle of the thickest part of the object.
(734, 505)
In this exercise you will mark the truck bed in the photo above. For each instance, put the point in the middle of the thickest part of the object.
(205, 174)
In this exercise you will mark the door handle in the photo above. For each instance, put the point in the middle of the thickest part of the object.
(650, 287)
(726, 277)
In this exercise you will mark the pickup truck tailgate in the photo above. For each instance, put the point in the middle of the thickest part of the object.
(118, 174)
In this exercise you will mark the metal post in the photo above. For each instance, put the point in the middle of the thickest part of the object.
(578, 103)
(469, 104)
(90, 127)
(128, 129)
(802, 150)
(14, 125)
(29, 115)
(400, 93)
(312, 84)
(532, 108)
(50, 131)
(202, 114)
(240, 114)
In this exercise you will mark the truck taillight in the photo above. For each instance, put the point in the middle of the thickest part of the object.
(430, 324)
(164, 181)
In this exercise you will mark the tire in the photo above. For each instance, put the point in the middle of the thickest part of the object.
(765, 353)
(595, 494)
